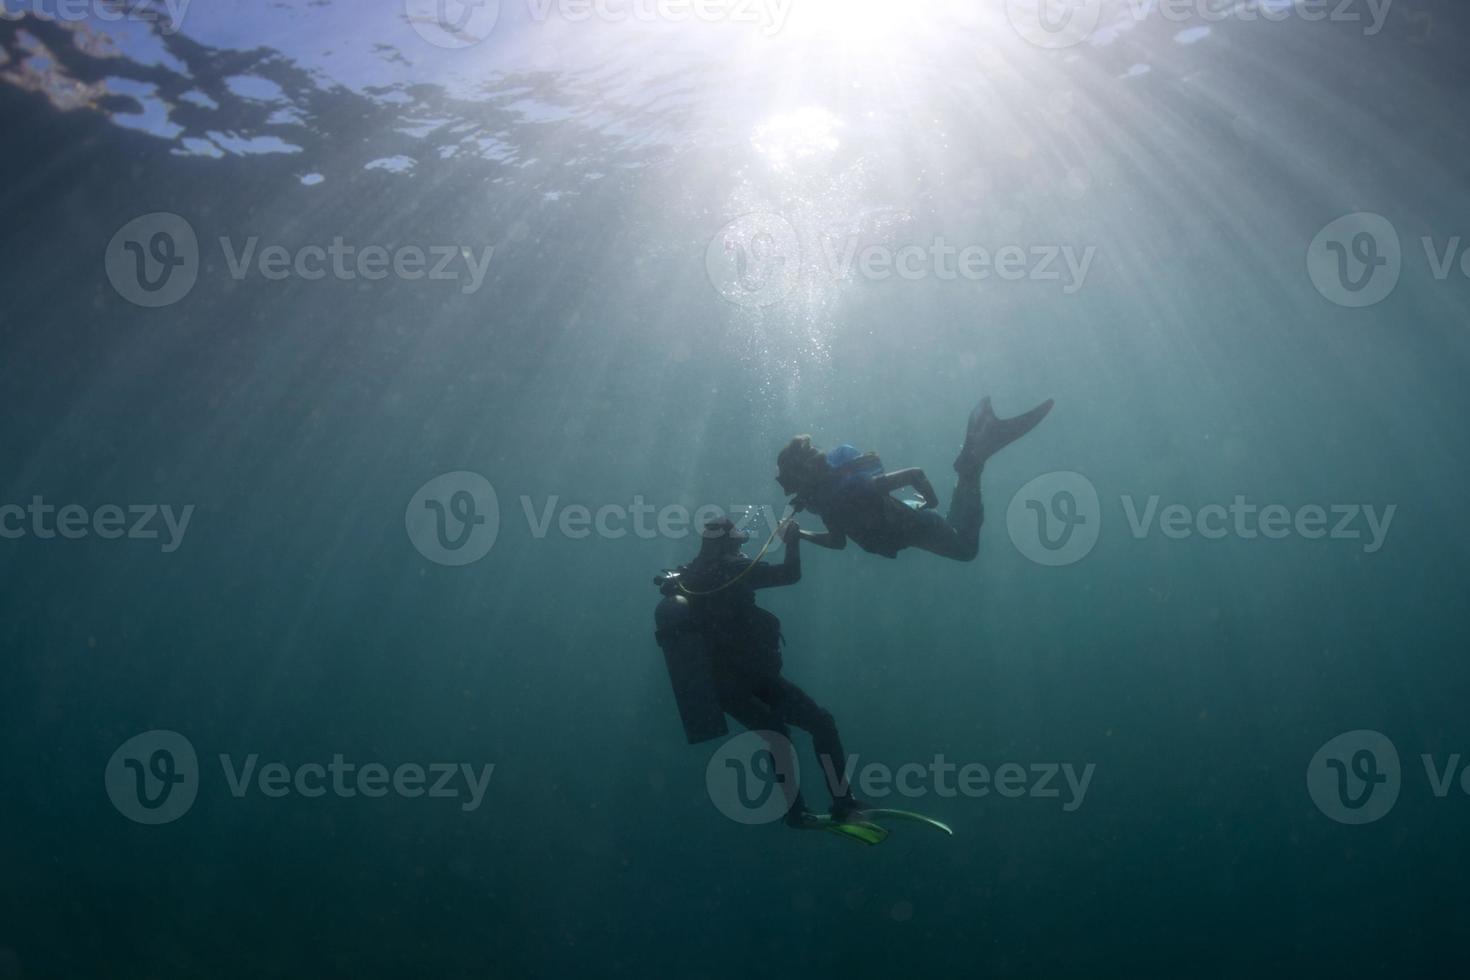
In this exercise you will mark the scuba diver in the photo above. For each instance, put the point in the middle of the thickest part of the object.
(723, 653)
(724, 657)
(852, 495)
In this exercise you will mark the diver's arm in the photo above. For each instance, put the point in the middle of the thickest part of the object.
(911, 477)
(765, 576)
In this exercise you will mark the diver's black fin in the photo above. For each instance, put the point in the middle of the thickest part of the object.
(988, 434)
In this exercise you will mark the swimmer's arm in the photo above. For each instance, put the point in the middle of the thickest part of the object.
(911, 477)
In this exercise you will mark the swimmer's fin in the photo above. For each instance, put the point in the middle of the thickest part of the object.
(853, 827)
(864, 826)
(875, 815)
(988, 434)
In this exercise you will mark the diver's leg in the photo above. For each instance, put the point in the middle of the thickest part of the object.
(757, 715)
(796, 707)
(966, 514)
(958, 537)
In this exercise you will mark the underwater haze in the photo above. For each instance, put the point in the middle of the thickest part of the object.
(362, 364)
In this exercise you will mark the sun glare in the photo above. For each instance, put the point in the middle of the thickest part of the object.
(788, 140)
(855, 25)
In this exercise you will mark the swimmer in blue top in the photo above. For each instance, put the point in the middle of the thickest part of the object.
(852, 494)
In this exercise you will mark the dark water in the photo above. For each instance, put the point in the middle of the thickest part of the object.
(614, 355)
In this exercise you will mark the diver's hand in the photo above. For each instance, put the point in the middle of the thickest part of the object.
(931, 499)
(790, 532)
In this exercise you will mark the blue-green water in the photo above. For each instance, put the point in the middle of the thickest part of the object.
(630, 344)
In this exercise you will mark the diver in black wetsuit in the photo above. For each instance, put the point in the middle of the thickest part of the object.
(850, 492)
(743, 644)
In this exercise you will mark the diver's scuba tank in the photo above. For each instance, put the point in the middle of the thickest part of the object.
(687, 656)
